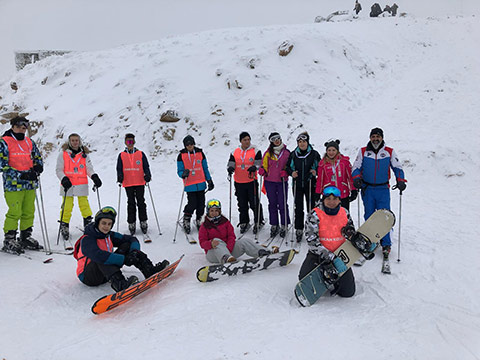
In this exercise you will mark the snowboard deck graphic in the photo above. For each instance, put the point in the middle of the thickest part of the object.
(109, 302)
(309, 289)
(216, 271)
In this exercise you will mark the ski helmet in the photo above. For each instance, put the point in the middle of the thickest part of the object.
(106, 212)
(188, 140)
(214, 203)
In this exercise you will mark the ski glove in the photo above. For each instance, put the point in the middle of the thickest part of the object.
(96, 180)
(252, 169)
(134, 258)
(66, 183)
(401, 185)
(283, 174)
(261, 171)
(339, 265)
(210, 185)
(120, 179)
(230, 170)
(358, 182)
(38, 168)
(29, 175)
(185, 173)
(353, 195)
(147, 177)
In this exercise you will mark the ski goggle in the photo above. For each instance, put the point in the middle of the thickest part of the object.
(275, 138)
(213, 204)
(331, 190)
(108, 210)
(130, 142)
(302, 137)
(21, 123)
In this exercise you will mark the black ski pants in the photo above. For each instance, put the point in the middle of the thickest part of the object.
(247, 197)
(300, 193)
(96, 273)
(345, 203)
(195, 202)
(136, 198)
(344, 287)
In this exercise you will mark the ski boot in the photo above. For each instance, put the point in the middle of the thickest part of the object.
(87, 221)
(244, 227)
(119, 283)
(274, 231)
(227, 259)
(64, 230)
(132, 227)
(11, 244)
(198, 223)
(186, 223)
(299, 234)
(386, 260)
(257, 227)
(144, 226)
(283, 231)
(27, 241)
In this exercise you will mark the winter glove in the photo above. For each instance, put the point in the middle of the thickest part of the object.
(210, 185)
(353, 195)
(339, 265)
(261, 171)
(29, 175)
(147, 177)
(96, 180)
(38, 168)
(120, 179)
(185, 173)
(348, 231)
(283, 174)
(252, 169)
(358, 182)
(134, 258)
(401, 185)
(230, 170)
(66, 183)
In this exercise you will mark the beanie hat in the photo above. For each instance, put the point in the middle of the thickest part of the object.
(273, 136)
(332, 143)
(19, 120)
(188, 140)
(377, 131)
(244, 134)
(303, 136)
(129, 136)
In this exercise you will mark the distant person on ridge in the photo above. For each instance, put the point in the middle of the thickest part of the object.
(394, 8)
(375, 10)
(357, 8)
(133, 172)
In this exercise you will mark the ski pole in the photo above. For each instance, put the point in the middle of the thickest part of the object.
(258, 206)
(46, 243)
(285, 209)
(399, 225)
(230, 199)
(42, 203)
(118, 208)
(61, 216)
(154, 210)
(309, 202)
(294, 205)
(358, 210)
(179, 211)
(95, 189)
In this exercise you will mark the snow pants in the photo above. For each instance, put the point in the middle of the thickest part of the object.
(195, 202)
(375, 198)
(248, 197)
(242, 246)
(277, 194)
(21, 207)
(300, 193)
(344, 287)
(136, 198)
(83, 204)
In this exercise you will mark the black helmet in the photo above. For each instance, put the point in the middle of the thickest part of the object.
(107, 212)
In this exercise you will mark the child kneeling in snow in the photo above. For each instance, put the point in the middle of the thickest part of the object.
(217, 238)
(97, 263)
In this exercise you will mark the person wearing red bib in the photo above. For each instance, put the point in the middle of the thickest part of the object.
(133, 172)
(326, 229)
(192, 167)
(21, 164)
(74, 166)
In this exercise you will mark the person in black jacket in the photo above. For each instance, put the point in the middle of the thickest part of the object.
(302, 167)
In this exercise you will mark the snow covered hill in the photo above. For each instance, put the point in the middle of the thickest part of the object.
(417, 78)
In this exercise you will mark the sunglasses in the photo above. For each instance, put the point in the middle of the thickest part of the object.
(213, 203)
(331, 190)
(108, 210)
(275, 138)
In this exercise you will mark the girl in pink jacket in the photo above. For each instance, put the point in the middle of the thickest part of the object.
(335, 170)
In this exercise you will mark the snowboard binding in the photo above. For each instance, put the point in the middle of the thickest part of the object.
(363, 245)
(330, 274)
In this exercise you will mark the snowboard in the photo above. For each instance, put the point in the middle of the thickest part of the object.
(309, 289)
(217, 271)
(109, 302)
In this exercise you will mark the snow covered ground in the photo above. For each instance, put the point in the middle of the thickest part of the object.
(415, 77)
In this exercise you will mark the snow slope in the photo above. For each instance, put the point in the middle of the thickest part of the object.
(417, 78)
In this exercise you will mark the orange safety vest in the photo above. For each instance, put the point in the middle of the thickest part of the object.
(193, 162)
(75, 169)
(243, 160)
(133, 174)
(330, 228)
(82, 261)
(19, 153)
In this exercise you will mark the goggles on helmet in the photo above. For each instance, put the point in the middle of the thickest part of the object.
(331, 190)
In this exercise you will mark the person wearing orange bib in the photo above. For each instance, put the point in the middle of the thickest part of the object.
(21, 164)
(192, 167)
(243, 164)
(326, 229)
(133, 172)
(73, 169)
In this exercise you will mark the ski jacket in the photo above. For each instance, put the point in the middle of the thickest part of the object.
(373, 167)
(133, 167)
(76, 166)
(324, 232)
(222, 231)
(98, 247)
(273, 164)
(303, 162)
(196, 162)
(338, 174)
(242, 160)
(13, 154)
